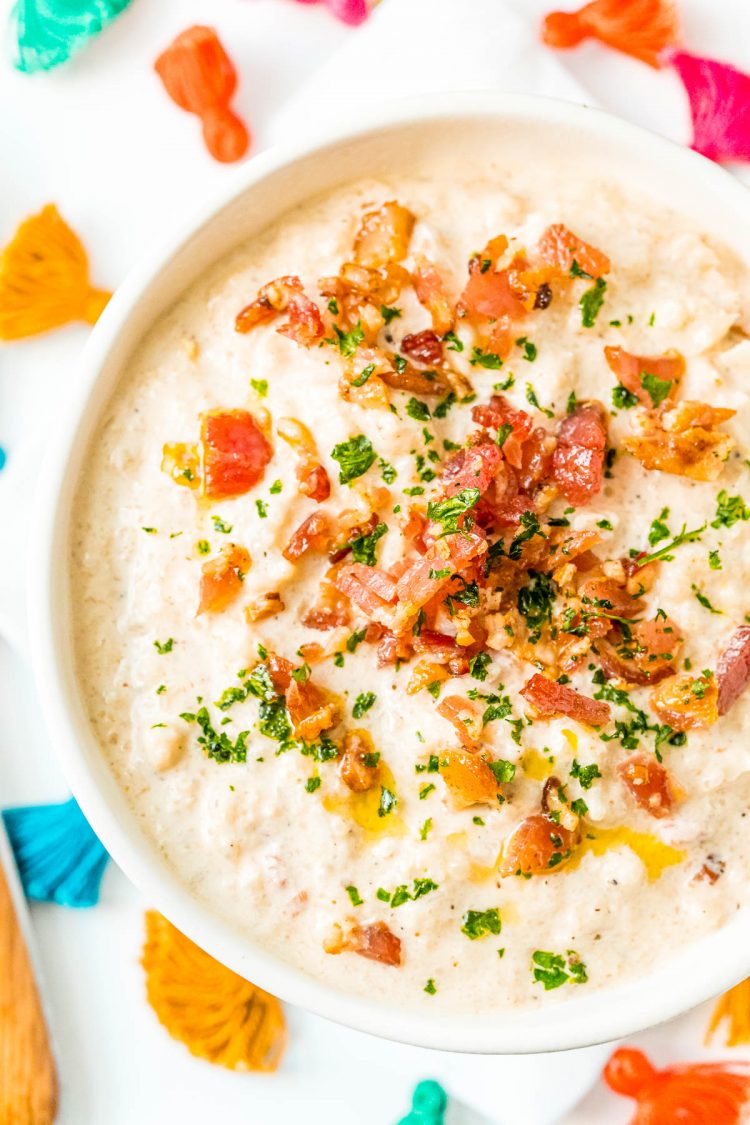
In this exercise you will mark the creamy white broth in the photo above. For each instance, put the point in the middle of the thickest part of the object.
(264, 853)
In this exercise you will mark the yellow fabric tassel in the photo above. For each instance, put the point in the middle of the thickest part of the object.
(734, 1007)
(44, 279)
(217, 1015)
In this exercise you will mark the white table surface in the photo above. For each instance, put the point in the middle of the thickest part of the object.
(101, 140)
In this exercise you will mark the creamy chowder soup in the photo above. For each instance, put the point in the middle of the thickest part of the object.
(410, 576)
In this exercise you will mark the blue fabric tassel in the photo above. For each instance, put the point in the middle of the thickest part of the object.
(428, 1105)
(59, 857)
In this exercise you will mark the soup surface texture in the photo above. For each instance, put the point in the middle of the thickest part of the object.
(410, 577)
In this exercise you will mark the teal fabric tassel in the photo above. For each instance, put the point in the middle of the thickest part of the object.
(59, 857)
(48, 32)
(428, 1105)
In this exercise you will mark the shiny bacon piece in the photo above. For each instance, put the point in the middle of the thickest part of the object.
(284, 295)
(432, 294)
(313, 481)
(499, 412)
(383, 236)
(310, 709)
(424, 347)
(648, 657)
(412, 379)
(578, 460)
(550, 698)
(374, 941)
(354, 770)
(222, 577)
(648, 784)
(488, 295)
(312, 476)
(538, 846)
(443, 649)
(235, 453)
(559, 247)
(733, 670)
(629, 369)
(472, 467)
(468, 777)
(464, 716)
(536, 459)
(393, 648)
(315, 533)
(684, 442)
(368, 587)
(330, 609)
(687, 702)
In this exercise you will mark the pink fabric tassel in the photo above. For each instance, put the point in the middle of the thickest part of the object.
(352, 12)
(719, 103)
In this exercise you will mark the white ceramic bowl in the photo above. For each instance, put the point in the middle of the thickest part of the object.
(407, 135)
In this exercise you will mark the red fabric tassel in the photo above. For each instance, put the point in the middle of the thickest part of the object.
(199, 76)
(690, 1093)
(641, 28)
(719, 103)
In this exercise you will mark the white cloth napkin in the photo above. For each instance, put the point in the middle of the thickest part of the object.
(417, 47)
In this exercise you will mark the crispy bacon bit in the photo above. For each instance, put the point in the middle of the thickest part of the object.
(443, 649)
(711, 871)
(489, 297)
(469, 778)
(368, 587)
(629, 370)
(499, 412)
(265, 605)
(424, 347)
(393, 648)
(550, 698)
(560, 247)
(578, 460)
(411, 379)
(648, 783)
(235, 453)
(182, 462)
(222, 577)
(538, 846)
(314, 534)
(473, 467)
(313, 478)
(465, 718)
(331, 610)
(280, 670)
(359, 762)
(432, 293)
(374, 941)
(424, 674)
(285, 294)
(310, 711)
(686, 702)
(342, 547)
(383, 236)
(733, 671)
(683, 442)
(536, 459)
(648, 656)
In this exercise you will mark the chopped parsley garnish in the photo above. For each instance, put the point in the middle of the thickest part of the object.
(364, 546)
(388, 801)
(659, 529)
(389, 313)
(312, 784)
(663, 552)
(529, 349)
(579, 806)
(333, 307)
(468, 596)
(354, 457)
(531, 527)
(260, 386)
(454, 344)
(551, 970)
(489, 360)
(572, 402)
(477, 820)
(276, 487)
(504, 771)
(218, 747)
(387, 472)
(605, 525)
(430, 988)
(448, 512)
(149, 530)
(348, 342)
(163, 647)
(704, 600)
(506, 383)
(364, 375)
(628, 733)
(729, 510)
(262, 508)
(622, 398)
(577, 271)
(532, 399)
(355, 639)
(535, 603)
(161, 689)
(442, 408)
(426, 828)
(338, 659)
(418, 410)
(584, 775)
(480, 923)
(591, 302)
(354, 895)
(425, 791)
(714, 561)
(657, 389)
(220, 526)
(302, 674)
(479, 664)
(203, 547)
(363, 703)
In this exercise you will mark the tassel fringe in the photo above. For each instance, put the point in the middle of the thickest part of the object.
(48, 32)
(59, 857)
(719, 97)
(44, 279)
(734, 1007)
(428, 1105)
(640, 28)
(690, 1093)
(217, 1015)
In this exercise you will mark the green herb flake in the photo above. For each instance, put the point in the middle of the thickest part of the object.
(454, 344)
(729, 510)
(355, 639)
(388, 801)
(363, 703)
(354, 895)
(704, 600)
(551, 969)
(531, 398)
(312, 784)
(418, 410)
(448, 512)
(659, 529)
(364, 546)
(203, 547)
(657, 389)
(150, 530)
(348, 342)
(505, 384)
(479, 664)
(585, 775)
(220, 526)
(389, 313)
(430, 988)
(354, 457)
(591, 302)
(262, 509)
(479, 923)
(426, 828)
(387, 472)
(622, 398)
(163, 647)
(714, 561)
(530, 350)
(489, 360)
(260, 386)
(425, 791)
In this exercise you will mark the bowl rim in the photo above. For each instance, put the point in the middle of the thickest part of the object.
(606, 1014)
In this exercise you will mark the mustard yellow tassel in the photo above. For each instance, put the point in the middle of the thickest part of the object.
(217, 1015)
(44, 279)
(734, 1007)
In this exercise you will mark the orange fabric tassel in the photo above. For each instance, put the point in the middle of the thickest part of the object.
(44, 279)
(690, 1093)
(734, 1007)
(199, 76)
(217, 1015)
(641, 28)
